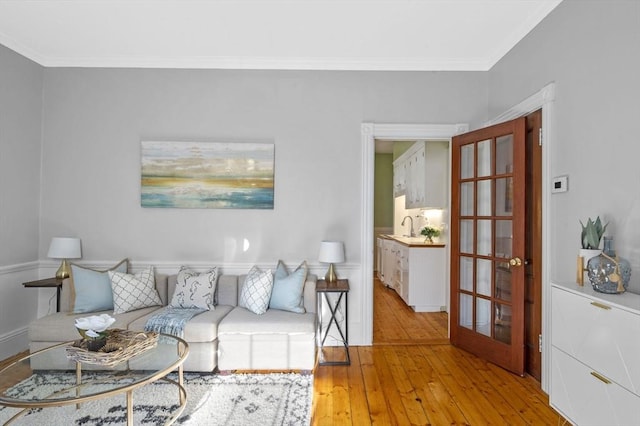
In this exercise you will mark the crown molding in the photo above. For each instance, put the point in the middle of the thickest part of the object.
(258, 63)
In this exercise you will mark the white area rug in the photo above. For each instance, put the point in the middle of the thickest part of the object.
(212, 399)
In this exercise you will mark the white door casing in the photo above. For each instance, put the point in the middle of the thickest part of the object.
(393, 132)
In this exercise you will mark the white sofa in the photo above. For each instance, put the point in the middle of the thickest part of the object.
(227, 338)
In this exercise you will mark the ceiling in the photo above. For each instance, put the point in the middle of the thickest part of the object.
(398, 35)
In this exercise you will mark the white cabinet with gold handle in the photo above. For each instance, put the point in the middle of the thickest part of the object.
(595, 356)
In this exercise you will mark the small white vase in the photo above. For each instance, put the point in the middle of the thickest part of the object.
(587, 254)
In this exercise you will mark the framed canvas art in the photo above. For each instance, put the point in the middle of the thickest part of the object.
(210, 175)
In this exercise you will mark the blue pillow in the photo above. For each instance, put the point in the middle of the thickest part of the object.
(91, 289)
(287, 294)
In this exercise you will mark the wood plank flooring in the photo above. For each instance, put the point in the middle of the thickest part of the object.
(413, 376)
(395, 323)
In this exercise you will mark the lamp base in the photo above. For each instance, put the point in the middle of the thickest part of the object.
(331, 276)
(64, 271)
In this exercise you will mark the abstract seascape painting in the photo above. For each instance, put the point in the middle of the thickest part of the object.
(207, 175)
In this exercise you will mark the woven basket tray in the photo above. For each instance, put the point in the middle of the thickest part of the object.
(121, 345)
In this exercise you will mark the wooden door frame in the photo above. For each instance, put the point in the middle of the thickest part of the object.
(543, 99)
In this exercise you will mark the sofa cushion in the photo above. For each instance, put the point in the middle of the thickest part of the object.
(287, 288)
(91, 288)
(227, 290)
(256, 290)
(132, 292)
(201, 328)
(59, 326)
(195, 289)
(273, 321)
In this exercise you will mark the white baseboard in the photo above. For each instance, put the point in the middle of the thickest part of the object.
(18, 305)
(13, 343)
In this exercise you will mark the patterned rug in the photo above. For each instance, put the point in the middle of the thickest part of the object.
(212, 399)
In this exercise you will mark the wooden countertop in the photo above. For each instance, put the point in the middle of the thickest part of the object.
(412, 242)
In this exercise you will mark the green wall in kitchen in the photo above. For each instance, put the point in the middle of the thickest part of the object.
(383, 191)
(400, 147)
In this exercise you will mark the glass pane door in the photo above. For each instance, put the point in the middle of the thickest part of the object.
(487, 278)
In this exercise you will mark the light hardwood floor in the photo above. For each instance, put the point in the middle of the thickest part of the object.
(413, 376)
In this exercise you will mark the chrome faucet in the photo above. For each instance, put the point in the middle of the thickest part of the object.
(411, 233)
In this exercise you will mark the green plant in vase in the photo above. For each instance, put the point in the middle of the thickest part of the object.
(430, 233)
(592, 233)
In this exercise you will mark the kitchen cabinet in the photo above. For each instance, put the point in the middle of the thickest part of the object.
(399, 178)
(388, 262)
(416, 271)
(421, 175)
(595, 356)
(379, 256)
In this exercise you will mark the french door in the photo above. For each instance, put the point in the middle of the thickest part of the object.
(488, 243)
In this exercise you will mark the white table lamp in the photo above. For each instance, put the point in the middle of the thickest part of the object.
(64, 248)
(331, 252)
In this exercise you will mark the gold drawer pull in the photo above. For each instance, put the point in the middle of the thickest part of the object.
(601, 378)
(600, 305)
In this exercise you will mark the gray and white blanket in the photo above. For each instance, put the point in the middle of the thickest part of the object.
(171, 320)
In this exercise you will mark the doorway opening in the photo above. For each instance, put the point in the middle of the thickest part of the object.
(407, 273)
(387, 132)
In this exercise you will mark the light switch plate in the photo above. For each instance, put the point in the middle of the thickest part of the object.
(560, 184)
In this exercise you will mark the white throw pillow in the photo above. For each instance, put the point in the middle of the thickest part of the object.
(195, 289)
(256, 291)
(131, 292)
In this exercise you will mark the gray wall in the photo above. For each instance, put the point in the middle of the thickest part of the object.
(20, 120)
(591, 50)
(20, 142)
(94, 120)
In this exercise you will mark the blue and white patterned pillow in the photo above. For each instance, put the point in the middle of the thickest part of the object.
(195, 289)
(131, 292)
(256, 290)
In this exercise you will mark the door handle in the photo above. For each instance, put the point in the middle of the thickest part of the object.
(516, 261)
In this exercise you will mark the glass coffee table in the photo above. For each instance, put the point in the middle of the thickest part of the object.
(86, 382)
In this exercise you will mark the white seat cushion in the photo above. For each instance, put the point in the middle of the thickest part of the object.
(243, 321)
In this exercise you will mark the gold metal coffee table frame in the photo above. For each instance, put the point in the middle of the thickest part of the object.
(140, 378)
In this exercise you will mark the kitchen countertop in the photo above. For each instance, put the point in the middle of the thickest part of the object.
(412, 241)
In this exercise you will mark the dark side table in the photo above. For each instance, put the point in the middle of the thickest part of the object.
(323, 289)
(49, 283)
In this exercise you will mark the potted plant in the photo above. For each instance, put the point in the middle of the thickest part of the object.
(430, 232)
(590, 238)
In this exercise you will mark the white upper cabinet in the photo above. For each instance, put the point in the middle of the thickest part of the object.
(421, 175)
(399, 178)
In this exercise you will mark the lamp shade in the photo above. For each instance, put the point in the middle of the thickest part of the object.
(65, 248)
(331, 252)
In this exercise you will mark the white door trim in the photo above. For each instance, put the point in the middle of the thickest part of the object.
(396, 132)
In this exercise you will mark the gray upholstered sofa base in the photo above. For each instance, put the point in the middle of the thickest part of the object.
(227, 338)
